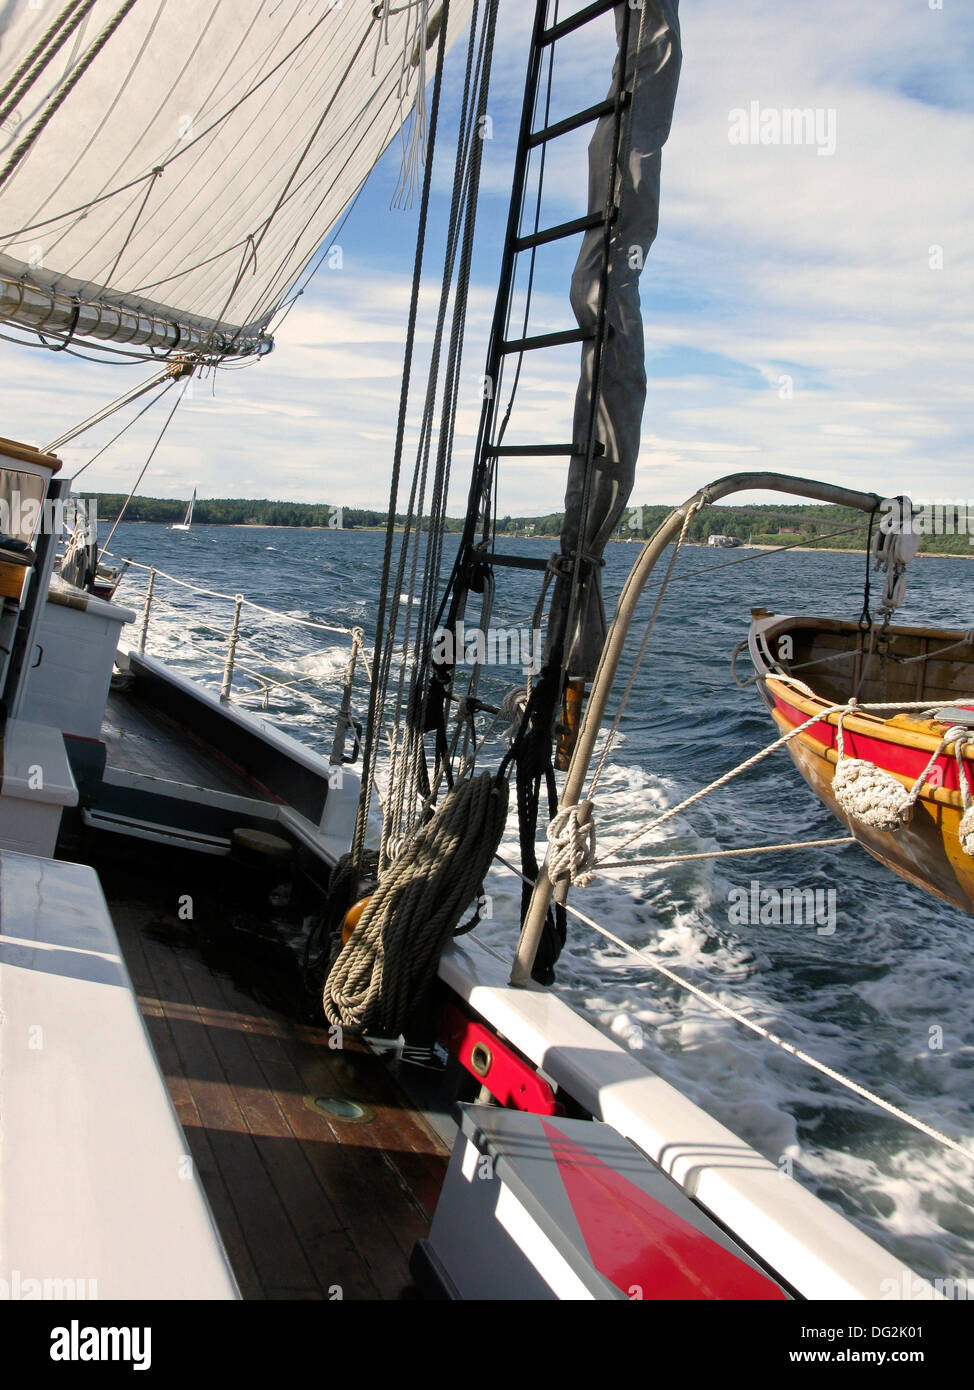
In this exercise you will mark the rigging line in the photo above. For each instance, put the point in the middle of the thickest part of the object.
(70, 22)
(287, 304)
(757, 1028)
(377, 686)
(59, 99)
(274, 160)
(420, 682)
(722, 781)
(199, 265)
(156, 175)
(460, 214)
(260, 175)
(205, 101)
(188, 270)
(159, 108)
(459, 199)
(726, 853)
(34, 343)
(284, 271)
(273, 291)
(118, 403)
(185, 148)
(152, 453)
(127, 426)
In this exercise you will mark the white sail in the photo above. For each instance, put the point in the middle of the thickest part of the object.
(169, 167)
(187, 520)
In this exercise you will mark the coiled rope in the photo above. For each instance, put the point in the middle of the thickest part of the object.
(383, 978)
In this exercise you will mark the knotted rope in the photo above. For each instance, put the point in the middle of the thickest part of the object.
(571, 845)
(383, 978)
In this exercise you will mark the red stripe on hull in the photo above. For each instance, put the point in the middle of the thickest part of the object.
(885, 753)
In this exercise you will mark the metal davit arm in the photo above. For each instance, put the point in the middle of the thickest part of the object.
(605, 675)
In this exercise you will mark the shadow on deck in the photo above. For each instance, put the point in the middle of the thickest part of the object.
(309, 1206)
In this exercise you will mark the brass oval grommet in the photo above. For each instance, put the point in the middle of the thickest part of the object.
(480, 1059)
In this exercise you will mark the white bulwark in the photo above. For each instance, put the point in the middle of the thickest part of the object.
(99, 1198)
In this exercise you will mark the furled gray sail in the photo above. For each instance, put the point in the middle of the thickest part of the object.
(168, 168)
(652, 74)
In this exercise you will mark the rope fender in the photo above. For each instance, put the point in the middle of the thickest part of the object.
(383, 978)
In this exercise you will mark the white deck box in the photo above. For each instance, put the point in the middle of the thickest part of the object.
(72, 662)
(37, 785)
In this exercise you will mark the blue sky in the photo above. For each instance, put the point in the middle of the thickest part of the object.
(797, 315)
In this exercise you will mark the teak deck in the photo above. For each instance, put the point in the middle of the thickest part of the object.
(309, 1207)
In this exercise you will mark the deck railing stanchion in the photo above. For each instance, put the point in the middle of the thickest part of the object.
(144, 630)
(345, 713)
(231, 649)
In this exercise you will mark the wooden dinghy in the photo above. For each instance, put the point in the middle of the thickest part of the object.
(925, 679)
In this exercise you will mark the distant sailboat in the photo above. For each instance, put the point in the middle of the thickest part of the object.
(187, 520)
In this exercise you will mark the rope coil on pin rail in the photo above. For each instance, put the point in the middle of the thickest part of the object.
(383, 977)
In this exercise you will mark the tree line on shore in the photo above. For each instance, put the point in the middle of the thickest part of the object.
(840, 528)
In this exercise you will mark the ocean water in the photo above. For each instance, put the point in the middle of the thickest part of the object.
(882, 993)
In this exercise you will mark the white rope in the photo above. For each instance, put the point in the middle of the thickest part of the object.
(757, 1028)
(965, 831)
(867, 793)
(717, 784)
(571, 845)
(727, 853)
(513, 705)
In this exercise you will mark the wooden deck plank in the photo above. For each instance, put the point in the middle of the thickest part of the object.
(369, 1197)
(415, 1150)
(206, 1167)
(273, 1245)
(308, 1207)
(317, 1225)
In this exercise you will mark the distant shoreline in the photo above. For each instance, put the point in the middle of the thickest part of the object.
(551, 541)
